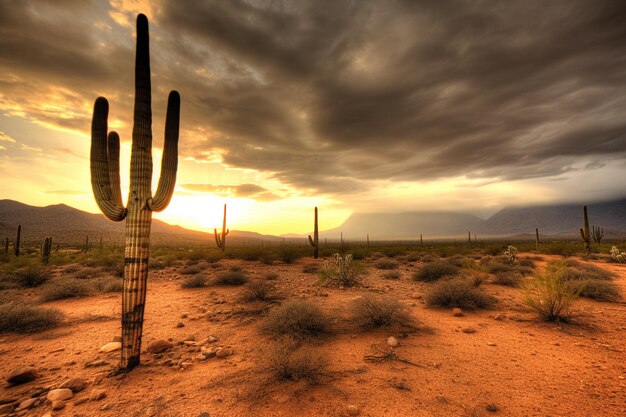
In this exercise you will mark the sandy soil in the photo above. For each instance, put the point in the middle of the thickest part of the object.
(521, 366)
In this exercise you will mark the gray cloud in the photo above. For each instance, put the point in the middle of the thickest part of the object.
(253, 191)
(330, 95)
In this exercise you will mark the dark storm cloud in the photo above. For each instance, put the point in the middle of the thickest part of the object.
(331, 95)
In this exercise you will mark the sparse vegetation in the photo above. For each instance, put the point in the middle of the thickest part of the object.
(286, 360)
(386, 264)
(297, 319)
(342, 271)
(32, 276)
(64, 288)
(458, 292)
(258, 291)
(392, 275)
(550, 295)
(508, 278)
(24, 318)
(435, 271)
(370, 311)
(231, 278)
(194, 281)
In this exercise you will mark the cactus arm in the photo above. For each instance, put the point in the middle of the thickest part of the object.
(311, 241)
(169, 162)
(99, 164)
(113, 157)
(218, 241)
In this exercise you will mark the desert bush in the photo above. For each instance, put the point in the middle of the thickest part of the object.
(371, 311)
(584, 271)
(342, 271)
(458, 292)
(358, 255)
(109, 284)
(232, 278)
(194, 281)
(64, 288)
(258, 291)
(550, 295)
(460, 261)
(286, 360)
(271, 276)
(191, 270)
(386, 264)
(596, 289)
(392, 275)
(288, 254)
(32, 276)
(24, 318)
(434, 271)
(527, 262)
(297, 319)
(310, 268)
(474, 276)
(508, 278)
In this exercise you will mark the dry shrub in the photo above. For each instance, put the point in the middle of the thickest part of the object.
(286, 360)
(64, 288)
(392, 275)
(109, 284)
(258, 291)
(27, 318)
(435, 271)
(297, 319)
(371, 311)
(387, 264)
(194, 281)
(550, 295)
(310, 268)
(271, 276)
(458, 292)
(191, 270)
(596, 289)
(32, 276)
(231, 278)
(509, 279)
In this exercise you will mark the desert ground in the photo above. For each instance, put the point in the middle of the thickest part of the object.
(221, 359)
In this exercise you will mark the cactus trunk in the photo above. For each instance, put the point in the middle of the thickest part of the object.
(6, 246)
(584, 231)
(315, 240)
(106, 187)
(45, 250)
(537, 239)
(17, 240)
(220, 240)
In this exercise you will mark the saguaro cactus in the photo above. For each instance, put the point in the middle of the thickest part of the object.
(17, 240)
(105, 181)
(315, 240)
(6, 246)
(221, 241)
(537, 239)
(597, 233)
(45, 250)
(584, 231)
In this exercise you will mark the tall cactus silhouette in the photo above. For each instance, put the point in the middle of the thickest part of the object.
(221, 241)
(17, 240)
(584, 231)
(105, 181)
(46, 248)
(597, 233)
(314, 241)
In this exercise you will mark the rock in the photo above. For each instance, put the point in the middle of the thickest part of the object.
(21, 375)
(81, 400)
(97, 395)
(204, 415)
(212, 339)
(457, 312)
(58, 405)
(75, 384)
(499, 316)
(26, 404)
(492, 408)
(6, 409)
(95, 363)
(201, 357)
(160, 346)
(111, 347)
(393, 342)
(224, 352)
(491, 344)
(469, 330)
(117, 339)
(59, 394)
(352, 410)
(180, 324)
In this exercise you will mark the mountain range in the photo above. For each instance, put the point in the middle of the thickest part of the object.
(70, 225)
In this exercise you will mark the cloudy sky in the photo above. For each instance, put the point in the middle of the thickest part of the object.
(349, 105)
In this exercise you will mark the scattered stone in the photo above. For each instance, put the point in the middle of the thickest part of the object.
(224, 352)
(60, 394)
(201, 357)
(353, 410)
(58, 405)
(499, 316)
(180, 324)
(393, 342)
(457, 312)
(96, 363)
(160, 346)
(184, 315)
(75, 384)
(97, 395)
(491, 344)
(81, 400)
(26, 404)
(111, 347)
(21, 375)
(117, 339)
(6, 409)
(204, 415)
(212, 339)
(492, 408)
(469, 330)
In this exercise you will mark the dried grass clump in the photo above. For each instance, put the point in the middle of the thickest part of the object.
(550, 295)
(387, 264)
(258, 291)
(231, 278)
(23, 318)
(435, 271)
(297, 319)
(288, 361)
(194, 281)
(65, 288)
(458, 292)
(371, 311)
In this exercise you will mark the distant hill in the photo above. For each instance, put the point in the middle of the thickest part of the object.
(70, 225)
(555, 221)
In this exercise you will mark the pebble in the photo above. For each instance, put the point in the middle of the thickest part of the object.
(26, 404)
(160, 346)
(75, 384)
(393, 342)
(6, 409)
(111, 347)
(180, 324)
(352, 410)
(457, 312)
(97, 395)
(58, 405)
(59, 394)
(21, 375)
(491, 344)
(224, 352)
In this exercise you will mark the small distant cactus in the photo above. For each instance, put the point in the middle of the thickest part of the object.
(537, 239)
(221, 240)
(342, 270)
(597, 233)
(86, 244)
(6, 246)
(584, 231)
(17, 240)
(511, 254)
(46, 249)
(617, 255)
(315, 240)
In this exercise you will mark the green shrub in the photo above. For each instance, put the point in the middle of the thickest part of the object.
(24, 318)
(434, 271)
(288, 254)
(232, 278)
(370, 311)
(64, 288)
(550, 295)
(297, 319)
(458, 292)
